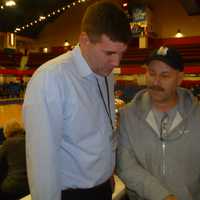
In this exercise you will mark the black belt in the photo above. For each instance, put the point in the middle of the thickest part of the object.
(102, 191)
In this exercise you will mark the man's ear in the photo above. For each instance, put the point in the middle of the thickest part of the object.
(84, 39)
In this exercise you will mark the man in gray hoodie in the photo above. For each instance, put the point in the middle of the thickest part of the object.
(157, 156)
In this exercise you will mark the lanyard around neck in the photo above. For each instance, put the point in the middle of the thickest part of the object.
(107, 109)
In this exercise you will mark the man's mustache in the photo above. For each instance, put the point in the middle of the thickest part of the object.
(156, 88)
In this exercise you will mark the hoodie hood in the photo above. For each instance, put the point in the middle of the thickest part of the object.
(187, 104)
(142, 101)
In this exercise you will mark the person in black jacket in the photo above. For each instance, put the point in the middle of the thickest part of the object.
(13, 183)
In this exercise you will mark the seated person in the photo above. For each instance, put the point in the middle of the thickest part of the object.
(13, 183)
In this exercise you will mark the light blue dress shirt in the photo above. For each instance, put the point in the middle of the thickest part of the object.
(68, 133)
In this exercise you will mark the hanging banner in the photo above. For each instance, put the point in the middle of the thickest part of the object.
(141, 20)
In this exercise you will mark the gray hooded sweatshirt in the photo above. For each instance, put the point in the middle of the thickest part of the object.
(153, 167)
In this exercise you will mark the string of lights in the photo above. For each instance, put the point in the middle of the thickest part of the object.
(19, 29)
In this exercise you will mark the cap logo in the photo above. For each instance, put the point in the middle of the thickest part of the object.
(162, 51)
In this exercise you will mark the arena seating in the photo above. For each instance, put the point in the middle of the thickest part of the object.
(10, 60)
(13, 60)
(36, 59)
(131, 63)
(190, 53)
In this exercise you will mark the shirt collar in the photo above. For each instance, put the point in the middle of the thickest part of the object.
(81, 64)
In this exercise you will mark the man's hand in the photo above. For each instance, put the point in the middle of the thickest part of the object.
(170, 197)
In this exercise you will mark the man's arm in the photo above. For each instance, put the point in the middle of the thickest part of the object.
(134, 176)
(43, 123)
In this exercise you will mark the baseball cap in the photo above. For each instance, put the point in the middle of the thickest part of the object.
(168, 55)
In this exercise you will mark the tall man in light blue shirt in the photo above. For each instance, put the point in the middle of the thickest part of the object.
(69, 112)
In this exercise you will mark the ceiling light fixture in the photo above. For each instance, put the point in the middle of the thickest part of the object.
(45, 50)
(42, 18)
(125, 4)
(66, 44)
(179, 34)
(10, 3)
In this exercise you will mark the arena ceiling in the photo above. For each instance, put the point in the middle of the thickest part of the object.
(27, 13)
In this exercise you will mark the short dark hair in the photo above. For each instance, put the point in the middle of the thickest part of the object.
(106, 17)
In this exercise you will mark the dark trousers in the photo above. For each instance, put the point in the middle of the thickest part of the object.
(100, 192)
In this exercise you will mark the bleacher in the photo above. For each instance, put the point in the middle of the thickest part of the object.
(190, 54)
(133, 56)
(13, 60)
(36, 59)
(131, 64)
(12, 90)
(10, 60)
